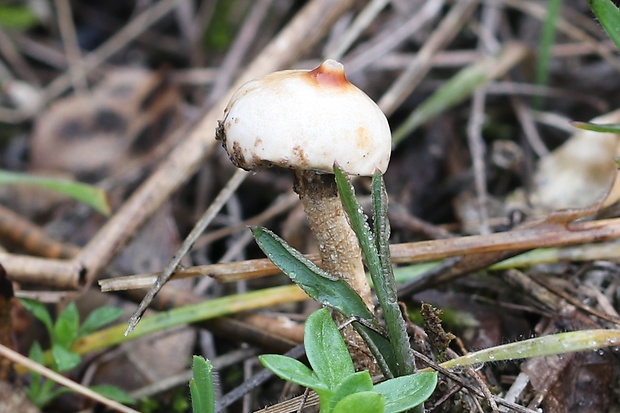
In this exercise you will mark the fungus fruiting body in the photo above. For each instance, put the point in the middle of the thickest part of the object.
(307, 121)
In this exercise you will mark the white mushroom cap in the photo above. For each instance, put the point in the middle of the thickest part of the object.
(306, 120)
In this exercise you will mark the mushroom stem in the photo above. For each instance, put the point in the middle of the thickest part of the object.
(339, 249)
(338, 246)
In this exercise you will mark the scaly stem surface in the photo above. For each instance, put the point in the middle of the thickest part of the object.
(338, 247)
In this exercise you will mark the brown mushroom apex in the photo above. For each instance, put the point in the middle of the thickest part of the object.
(306, 120)
(330, 74)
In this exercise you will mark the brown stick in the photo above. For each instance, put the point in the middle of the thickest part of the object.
(518, 240)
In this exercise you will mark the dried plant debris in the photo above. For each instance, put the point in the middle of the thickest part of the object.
(485, 165)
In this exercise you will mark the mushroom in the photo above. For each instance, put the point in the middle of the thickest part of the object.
(307, 121)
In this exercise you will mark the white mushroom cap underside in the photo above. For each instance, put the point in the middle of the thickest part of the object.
(291, 120)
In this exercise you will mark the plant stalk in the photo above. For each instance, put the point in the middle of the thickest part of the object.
(339, 249)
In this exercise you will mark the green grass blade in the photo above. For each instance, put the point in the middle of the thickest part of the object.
(544, 49)
(87, 194)
(202, 387)
(204, 310)
(459, 87)
(608, 14)
(385, 283)
(604, 128)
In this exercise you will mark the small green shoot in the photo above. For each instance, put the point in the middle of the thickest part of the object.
(333, 378)
(87, 194)
(544, 49)
(327, 290)
(458, 88)
(393, 354)
(201, 386)
(376, 250)
(604, 128)
(63, 335)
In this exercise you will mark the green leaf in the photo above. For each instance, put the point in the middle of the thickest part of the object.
(385, 282)
(459, 87)
(99, 318)
(114, 393)
(605, 128)
(318, 284)
(87, 194)
(354, 383)
(66, 327)
(406, 392)
(40, 312)
(47, 395)
(609, 16)
(325, 289)
(364, 402)
(544, 48)
(326, 350)
(292, 370)
(17, 17)
(64, 359)
(201, 386)
(35, 354)
(377, 255)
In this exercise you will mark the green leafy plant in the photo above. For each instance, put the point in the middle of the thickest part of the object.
(63, 334)
(392, 353)
(333, 377)
(392, 349)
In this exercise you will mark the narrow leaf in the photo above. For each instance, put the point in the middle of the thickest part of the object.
(385, 282)
(114, 393)
(66, 327)
(606, 128)
(202, 387)
(319, 285)
(326, 350)
(561, 343)
(35, 354)
(364, 402)
(292, 370)
(406, 392)
(64, 359)
(40, 312)
(87, 194)
(326, 289)
(544, 48)
(99, 318)
(354, 383)
(609, 16)
(380, 268)
(459, 87)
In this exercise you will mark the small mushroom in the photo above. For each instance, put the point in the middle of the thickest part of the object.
(307, 121)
